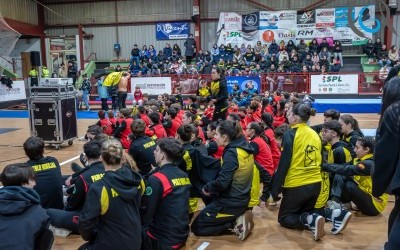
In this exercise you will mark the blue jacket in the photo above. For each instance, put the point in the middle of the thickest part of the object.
(24, 223)
(102, 91)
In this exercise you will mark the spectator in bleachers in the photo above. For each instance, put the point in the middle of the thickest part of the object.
(222, 52)
(307, 61)
(393, 54)
(313, 46)
(272, 60)
(324, 53)
(301, 47)
(151, 50)
(257, 57)
(258, 47)
(135, 67)
(215, 53)
(295, 65)
(377, 46)
(263, 64)
(337, 52)
(292, 54)
(290, 46)
(160, 57)
(207, 56)
(282, 46)
(273, 48)
(315, 57)
(167, 51)
(135, 54)
(249, 56)
(200, 57)
(384, 61)
(243, 49)
(323, 44)
(237, 56)
(190, 49)
(304, 69)
(229, 52)
(369, 50)
(264, 50)
(283, 54)
(175, 57)
(271, 69)
(118, 68)
(177, 49)
(143, 55)
(336, 65)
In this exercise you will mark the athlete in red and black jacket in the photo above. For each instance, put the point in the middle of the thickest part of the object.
(156, 129)
(122, 132)
(171, 122)
(165, 221)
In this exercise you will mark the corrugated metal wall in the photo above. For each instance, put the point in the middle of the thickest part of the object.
(128, 11)
(20, 10)
(144, 10)
(105, 38)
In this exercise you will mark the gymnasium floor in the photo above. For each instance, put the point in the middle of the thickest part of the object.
(362, 232)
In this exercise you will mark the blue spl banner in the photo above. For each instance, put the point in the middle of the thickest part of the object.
(242, 81)
(171, 31)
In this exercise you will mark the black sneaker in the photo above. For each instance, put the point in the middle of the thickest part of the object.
(244, 225)
(317, 226)
(340, 222)
(75, 167)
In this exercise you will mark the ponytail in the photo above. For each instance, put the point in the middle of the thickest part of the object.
(231, 129)
(112, 152)
(259, 131)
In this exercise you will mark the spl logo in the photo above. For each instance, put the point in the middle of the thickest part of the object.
(331, 79)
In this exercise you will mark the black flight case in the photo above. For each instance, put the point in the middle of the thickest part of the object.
(52, 114)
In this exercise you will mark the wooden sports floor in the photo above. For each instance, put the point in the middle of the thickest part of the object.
(361, 233)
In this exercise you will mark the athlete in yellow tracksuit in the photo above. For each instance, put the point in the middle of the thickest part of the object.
(354, 183)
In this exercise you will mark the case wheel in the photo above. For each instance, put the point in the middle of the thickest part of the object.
(70, 142)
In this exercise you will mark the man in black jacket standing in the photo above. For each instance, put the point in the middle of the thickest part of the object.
(135, 55)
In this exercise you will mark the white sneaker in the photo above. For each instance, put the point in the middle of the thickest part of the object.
(333, 205)
(244, 225)
(60, 231)
(82, 138)
(316, 224)
(340, 222)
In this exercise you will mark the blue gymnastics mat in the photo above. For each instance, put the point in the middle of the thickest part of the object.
(349, 105)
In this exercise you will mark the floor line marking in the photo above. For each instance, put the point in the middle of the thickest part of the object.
(68, 161)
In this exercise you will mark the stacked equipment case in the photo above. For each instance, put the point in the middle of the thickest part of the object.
(52, 114)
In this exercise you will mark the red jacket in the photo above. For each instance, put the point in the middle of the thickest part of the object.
(146, 119)
(158, 131)
(208, 112)
(263, 154)
(171, 132)
(275, 150)
(138, 95)
(125, 141)
(269, 109)
(106, 126)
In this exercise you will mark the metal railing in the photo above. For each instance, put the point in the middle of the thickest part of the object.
(368, 83)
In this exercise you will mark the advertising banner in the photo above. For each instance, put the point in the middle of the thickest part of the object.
(17, 92)
(229, 21)
(242, 81)
(334, 84)
(329, 23)
(152, 85)
(271, 20)
(325, 18)
(171, 31)
(306, 19)
(250, 22)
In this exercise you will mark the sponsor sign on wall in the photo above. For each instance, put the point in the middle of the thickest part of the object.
(334, 84)
(170, 31)
(17, 92)
(152, 85)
